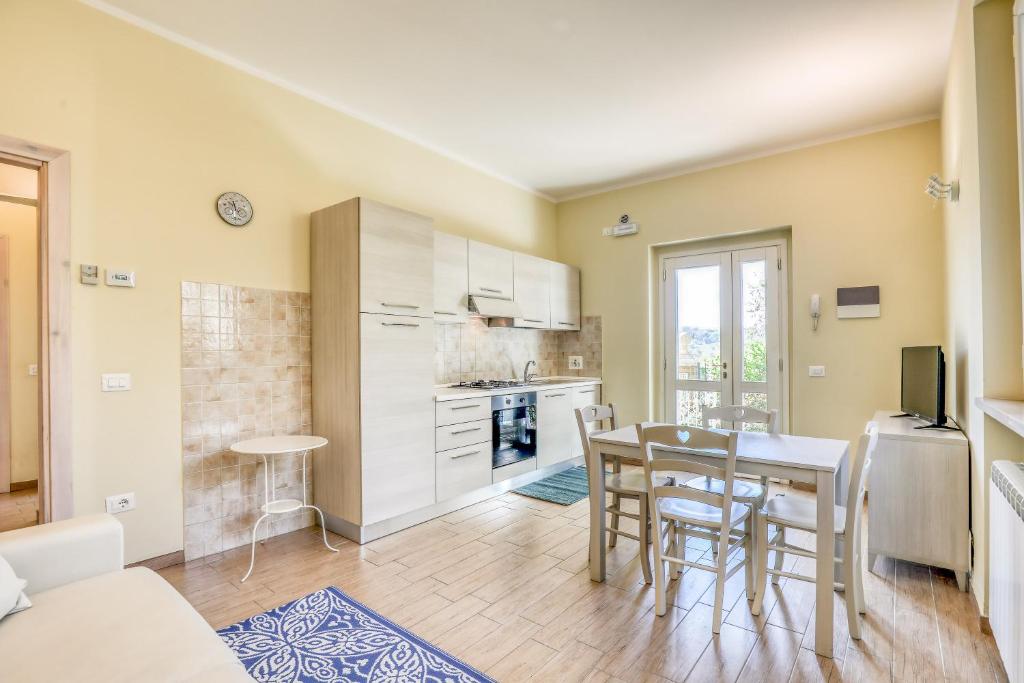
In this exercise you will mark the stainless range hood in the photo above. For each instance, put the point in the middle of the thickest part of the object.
(496, 309)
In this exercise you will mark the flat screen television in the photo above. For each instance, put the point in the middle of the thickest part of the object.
(923, 385)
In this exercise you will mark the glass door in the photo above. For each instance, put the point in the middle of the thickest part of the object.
(722, 333)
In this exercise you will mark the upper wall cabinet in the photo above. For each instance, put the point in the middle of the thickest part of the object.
(532, 291)
(396, 257)
(451, 283)
(565, 296)
(490, 271)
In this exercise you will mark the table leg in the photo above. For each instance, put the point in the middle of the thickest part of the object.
(252, 555)
(595, 471)
(824, 581)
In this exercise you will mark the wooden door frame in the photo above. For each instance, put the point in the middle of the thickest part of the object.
(56, 495)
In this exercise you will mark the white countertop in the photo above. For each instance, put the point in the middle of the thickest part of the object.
(450, 393)
(903, 428)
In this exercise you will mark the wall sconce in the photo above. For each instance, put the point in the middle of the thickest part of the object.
(936, 189)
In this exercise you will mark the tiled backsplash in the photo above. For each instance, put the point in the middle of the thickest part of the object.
(476, 351)
(245, 374)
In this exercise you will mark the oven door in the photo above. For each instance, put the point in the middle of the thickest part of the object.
(514, 435)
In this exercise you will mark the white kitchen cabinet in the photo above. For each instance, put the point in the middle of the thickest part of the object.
(554, 436)
(490, 271)
(396, 256)
(581, 398)
(396, 413)
(462, 434)
(451, 278)
(461, 470)
(565, 296)
(532, 286)
(463, 410)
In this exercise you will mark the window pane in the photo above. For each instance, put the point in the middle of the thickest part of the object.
(755, 400)
(699, 334)
(755, 319)
(689, 403)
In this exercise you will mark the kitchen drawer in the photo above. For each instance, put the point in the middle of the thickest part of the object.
(461, 470)
(464, 434)
(462, 410)
(509, 471)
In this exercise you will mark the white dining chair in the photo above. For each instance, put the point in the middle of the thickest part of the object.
(622, 485)
(798, 513)
(679, 512)
(744, 491)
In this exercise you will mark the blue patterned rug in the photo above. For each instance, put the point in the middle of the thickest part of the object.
(328, 636)
(565, 488)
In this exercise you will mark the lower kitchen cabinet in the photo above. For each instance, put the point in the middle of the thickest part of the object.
(461, 470)
(554, 436)
(581, 398)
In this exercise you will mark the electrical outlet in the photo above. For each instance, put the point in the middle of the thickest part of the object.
(816, 370)
(122, 502)
(575, 362)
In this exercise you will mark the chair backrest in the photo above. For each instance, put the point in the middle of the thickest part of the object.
(741, 414)
(595, 414)
(664, 448)
(859, 477)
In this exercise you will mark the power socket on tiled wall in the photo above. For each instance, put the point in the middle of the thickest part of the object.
(245, 373)
(475, 351)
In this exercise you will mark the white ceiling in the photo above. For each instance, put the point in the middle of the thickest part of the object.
(567, 97)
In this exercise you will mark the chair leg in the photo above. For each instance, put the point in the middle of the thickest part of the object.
(616, 505)
(779, 555)
(850, 591)
(660, 601)
(750, 528)
(761, 549)
(645, 539)
(859, 578)
(680, 550)
(723, 558)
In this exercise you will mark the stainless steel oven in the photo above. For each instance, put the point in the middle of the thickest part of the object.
(513, 428)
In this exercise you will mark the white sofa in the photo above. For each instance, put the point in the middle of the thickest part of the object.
(93, 620)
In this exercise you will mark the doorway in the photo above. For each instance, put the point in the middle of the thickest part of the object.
(724, 331)
(19, 345)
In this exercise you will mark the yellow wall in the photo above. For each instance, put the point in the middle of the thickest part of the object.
(18, 223)
(857, 215)
(983, 264)
(156, 132)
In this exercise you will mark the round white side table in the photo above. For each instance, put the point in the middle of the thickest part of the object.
(267, 447)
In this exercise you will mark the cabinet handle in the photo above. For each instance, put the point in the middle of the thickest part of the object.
(488, 289)
(587, 391)
(531, 320)
(463, 407)
(553, 395)
(453, 456)
(444, 313)
(562, 323)
(391, 305)
(466, 431)
(400, 324)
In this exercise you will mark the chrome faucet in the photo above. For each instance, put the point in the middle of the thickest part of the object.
(527, 375)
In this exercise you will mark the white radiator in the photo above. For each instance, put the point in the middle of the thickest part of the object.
(1006, 565)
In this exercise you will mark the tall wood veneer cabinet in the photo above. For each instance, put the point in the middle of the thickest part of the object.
(371, 276)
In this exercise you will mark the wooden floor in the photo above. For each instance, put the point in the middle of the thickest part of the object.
(504, 585)
(17, 509)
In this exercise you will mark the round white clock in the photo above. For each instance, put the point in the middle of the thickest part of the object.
(234, 209)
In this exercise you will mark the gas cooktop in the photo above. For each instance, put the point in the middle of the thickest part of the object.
(491, 384)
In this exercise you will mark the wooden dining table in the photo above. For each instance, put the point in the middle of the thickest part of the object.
(810, 460)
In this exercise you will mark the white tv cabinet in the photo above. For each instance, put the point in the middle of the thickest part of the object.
(918, 496)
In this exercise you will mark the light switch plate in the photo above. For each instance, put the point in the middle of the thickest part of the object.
(120, 278)
(816, 370)
(33, 370)
(116, 381)
(575, 362)
(89, 275)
